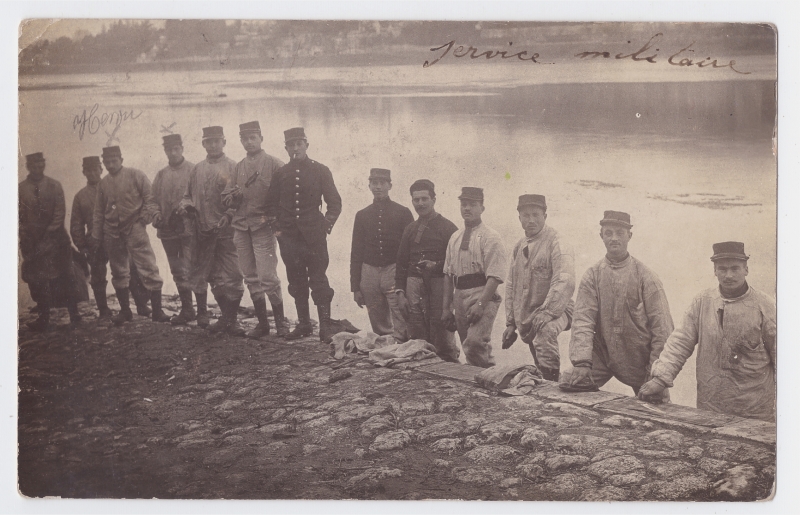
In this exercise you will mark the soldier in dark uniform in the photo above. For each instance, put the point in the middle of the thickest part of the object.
(293, 202)
(377, 231)
(44, 241)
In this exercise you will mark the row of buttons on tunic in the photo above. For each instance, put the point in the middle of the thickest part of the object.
(297, 194)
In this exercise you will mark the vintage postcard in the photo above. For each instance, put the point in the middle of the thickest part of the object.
(396, 260)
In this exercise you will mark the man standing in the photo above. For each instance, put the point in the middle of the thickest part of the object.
(621, 316)
(475, 266)
(80, 228)
(539, 287)
(177, 232)
(254, 238)
(419, 281)
(294, 202)
(734, 329)
(377, 232)
(215, 262)
(43, 240)
(122, 211)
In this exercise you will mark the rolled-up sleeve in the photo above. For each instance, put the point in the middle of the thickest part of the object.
(678, 347)
(584, 322)
(494, 258)
(659, 318)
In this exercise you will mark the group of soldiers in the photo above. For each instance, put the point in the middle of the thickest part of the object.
(221, 224)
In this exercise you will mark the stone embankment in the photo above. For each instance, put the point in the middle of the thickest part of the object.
(151, 410)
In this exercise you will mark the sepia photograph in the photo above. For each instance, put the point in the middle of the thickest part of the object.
(395, 260)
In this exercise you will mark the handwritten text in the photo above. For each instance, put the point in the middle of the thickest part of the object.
(92, 121)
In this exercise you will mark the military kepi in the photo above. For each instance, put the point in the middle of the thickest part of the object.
(90, 162)
(32, 158)
(293, 134)
(729, 250)
(380, 173)
(249, 128)
(213, 132)
(531, 200)
(112, 151)
(171, 140)
(616, 218)
(470, 193)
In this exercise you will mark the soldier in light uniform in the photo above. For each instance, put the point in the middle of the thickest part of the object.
(377, 231)
(254, 238)
(475, 266)
(294, 201)
(122, 211)
(733, 327)
(621, 319)
(177, 232)
(215, 262)
(539, 287)
(43, 241)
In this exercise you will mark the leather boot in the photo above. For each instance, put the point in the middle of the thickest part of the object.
(124, 315)
(42, 323)
(303, 327)
(158, 313)
(187, 311)
(281, 324)
(72, 308)
(224, 321)
(102, 302)
(550, 374)
(262, 329)
(203, 317)
(326, 328)
(234, 329)
(140, 297)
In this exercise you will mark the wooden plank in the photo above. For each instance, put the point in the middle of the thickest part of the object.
(456, 371)
(669, 412)
(411, 365)
(664, 421)
(551, 391)
(750, 429)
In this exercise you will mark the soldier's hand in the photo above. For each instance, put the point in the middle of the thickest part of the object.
(223, 222)
(509, 336)
(652, 391)
(359, 298)
(180, 210)
(538, 322)
(426, 264)
(328, 226)
(157, 220)
(580, 375)
(448, 317)
(475, 312)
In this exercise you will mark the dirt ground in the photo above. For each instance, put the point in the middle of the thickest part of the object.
(152, 410)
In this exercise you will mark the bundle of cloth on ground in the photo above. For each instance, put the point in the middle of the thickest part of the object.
(362, 342)
(510, 379)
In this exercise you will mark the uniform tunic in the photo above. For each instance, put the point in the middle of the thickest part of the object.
(180, 245)
(43, 239)
(215, 262)
(80, 228)
(254, 238)
(621, 321)
(424, 292)
(295, 200)
(377, 231)
(736, 353)
(541, 279)
(485, 255)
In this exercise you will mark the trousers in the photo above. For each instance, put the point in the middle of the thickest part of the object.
(98, 269)
(135, 247)
(544, 346)
(306, 265)
(425, 316)
(258, 261)
(377, 287)
(475, 338)
(216, 264)
(180, 254)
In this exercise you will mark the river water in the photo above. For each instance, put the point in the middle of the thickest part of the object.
(688, 153)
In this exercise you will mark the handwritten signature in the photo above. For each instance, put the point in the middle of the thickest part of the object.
(94, 121)
(470, 52)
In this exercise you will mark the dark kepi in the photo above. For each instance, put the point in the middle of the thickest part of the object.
(213, 132)
(90, 162)
(470, 193)
(531, 200)
(35, 157)
(729, 250)
(294, 133)
(170, 140)
(380, 173)
(249, 128)
(616, 218)
(112, 151)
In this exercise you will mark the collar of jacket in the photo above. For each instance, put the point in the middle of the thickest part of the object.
(745, 289)
(175, 167)
(216, 159)
(536, 236)
(254, 154)
(30, 178)
(619, 264)
(384, 200)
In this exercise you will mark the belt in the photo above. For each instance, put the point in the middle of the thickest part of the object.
(465, 282)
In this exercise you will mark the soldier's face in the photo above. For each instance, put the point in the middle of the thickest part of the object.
(112, 163)
(532, 219)
(297, 149)
(471, 210)
(36, 168)
(379, 188)
(423, 203)
(214, 146)
(616, 238)
(251, 142)
(93, 174)
(730, 273)
(174, 154)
